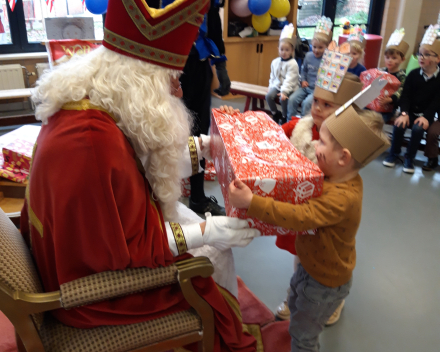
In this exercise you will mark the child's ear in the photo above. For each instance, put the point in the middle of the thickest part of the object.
(345, 157)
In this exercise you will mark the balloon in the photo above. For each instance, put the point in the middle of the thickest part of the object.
(279, 8)
(261, 23)
(259, 7)
(240, 8)
(97, 7)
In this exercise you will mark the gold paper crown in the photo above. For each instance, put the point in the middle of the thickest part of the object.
(395, 42)
(431, 39)
(357, 37)
(323, 30)
(352, 133)
(288, 34)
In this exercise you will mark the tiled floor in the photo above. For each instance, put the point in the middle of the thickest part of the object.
(394, 304)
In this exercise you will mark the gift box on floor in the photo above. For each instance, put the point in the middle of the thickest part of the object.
(254, 149)
(15, 160)
(391, 87)
(210, 175)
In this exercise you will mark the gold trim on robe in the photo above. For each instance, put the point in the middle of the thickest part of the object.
(179, 237)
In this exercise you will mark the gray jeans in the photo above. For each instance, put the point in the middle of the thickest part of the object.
(311, 305)
(270, 98)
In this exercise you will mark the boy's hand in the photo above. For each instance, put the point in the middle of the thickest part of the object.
(240, 195)
(304, 84)
(229, 109)
(384, 100)
(402, 121)
(422, 122)
(282, 96)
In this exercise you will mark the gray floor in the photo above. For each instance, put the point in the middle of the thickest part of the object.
(394, 304)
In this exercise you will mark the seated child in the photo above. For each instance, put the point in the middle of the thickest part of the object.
(395, 52)
(321, 39)
(283, 74)
(419, 102)
(324, 277)
(357, 46)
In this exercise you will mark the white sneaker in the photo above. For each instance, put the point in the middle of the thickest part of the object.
(336, 314)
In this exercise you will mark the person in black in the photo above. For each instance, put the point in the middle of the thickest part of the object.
(196, 85)
(419, 102)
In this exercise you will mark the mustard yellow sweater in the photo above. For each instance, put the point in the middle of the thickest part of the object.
(330, 255)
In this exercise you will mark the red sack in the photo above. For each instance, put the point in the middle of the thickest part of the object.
(255, 149)
(392, 86)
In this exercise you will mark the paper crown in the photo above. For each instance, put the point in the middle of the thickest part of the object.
(162, 37)
(395, 42)
(288, 34)
(330, 83)
(352, 133)
(431, 39)
(323, 30)
(357, 37)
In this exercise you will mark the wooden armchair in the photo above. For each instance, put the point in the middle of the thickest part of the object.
(23, 302)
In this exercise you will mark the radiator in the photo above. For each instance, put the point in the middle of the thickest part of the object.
(11, 77)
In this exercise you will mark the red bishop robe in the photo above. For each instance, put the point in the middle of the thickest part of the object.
(90, 210)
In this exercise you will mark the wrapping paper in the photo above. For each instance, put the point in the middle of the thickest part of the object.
(16, 160)
(254, 149)
(210, 175)
(392, 86)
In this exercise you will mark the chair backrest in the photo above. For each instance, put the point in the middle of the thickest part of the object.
(17, 269)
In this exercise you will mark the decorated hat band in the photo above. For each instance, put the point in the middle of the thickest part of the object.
(288, 34)
(347, 90)
(323, 31)
(352, 133)
(431, 39)
(162, 37)
(357, 37)
(396, 42)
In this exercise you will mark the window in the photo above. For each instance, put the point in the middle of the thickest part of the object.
(356, 11)
(25, 27)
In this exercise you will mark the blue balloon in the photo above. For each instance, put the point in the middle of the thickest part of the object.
(97, 7)
(259, 7)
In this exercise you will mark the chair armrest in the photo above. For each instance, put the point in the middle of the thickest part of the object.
(112, 284)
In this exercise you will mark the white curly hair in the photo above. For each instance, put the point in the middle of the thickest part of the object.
(139, 94)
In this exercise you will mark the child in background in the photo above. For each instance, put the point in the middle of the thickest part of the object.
(348, 142)
(419, 102)
(321, 39)
(395, 52)
(283, 74)
(357, 46)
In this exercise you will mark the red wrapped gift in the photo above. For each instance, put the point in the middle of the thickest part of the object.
(255, 149)
(209, 176)
(392, 86)
(16, 160)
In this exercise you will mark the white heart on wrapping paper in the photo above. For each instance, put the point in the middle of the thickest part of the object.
(386, 93)
(264, 145)
(282, 230)
(270, 133)
(266, 184)
(240, 140)
(251, 222)
(226, 126)
(251, 119)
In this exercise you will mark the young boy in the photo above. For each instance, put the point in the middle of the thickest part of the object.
(419, 102)
(395, 52)
(348, 141)
(284, 76)
(309, 70)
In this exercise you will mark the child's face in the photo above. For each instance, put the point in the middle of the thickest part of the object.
(327, 152)
(355, 56)
(393, 61)
(285, 50)
(318, 48)
(321, 109)
(428, 60)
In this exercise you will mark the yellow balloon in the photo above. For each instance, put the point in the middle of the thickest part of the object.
(261, 23)
(279, 8)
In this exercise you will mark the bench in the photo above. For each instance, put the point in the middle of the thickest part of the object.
(253, 93)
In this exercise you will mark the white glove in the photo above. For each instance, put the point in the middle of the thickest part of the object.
(223, 232)
(206, 144)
